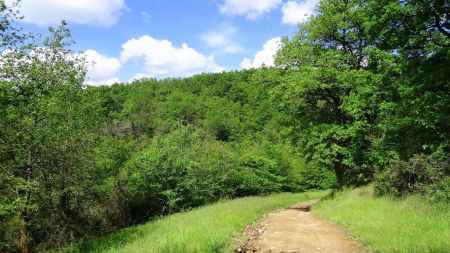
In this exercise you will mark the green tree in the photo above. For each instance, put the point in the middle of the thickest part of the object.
(365, 84)
(44, 140)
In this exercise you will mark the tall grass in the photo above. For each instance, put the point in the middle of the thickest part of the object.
(383, 224)
(208, 229)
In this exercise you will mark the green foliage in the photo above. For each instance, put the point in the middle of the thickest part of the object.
(45, 143)
(171, 174)
(188, 168)
(426, 175)
(257, 175)
(317, 177)
(364, 84)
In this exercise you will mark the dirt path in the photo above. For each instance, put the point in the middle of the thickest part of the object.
(296, 230)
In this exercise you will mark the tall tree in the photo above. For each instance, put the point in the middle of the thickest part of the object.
(43, 136)
(366, 83)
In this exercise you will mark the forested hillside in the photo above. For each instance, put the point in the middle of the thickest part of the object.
(360, 94)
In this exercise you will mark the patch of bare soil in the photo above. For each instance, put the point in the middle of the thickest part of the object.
(295, 230)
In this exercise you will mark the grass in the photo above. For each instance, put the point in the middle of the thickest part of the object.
(384, 224)
(212, 228)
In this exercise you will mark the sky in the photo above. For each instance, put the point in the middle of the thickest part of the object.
(125, 40)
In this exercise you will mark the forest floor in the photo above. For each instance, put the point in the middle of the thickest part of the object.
(294, 230)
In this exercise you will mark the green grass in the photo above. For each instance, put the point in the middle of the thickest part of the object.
(213, 228)
(390, 225)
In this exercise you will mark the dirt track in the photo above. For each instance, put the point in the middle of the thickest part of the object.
(296, 230)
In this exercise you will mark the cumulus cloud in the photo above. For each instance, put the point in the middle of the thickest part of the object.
(51, 12)
(297, 12)
(265, 56)
(222, 39)
(102, 70)
(252, 9)
(162, 59)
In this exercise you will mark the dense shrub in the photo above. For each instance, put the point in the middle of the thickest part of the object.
(316, 177)
(422, 174)
(255, 175)
(189, 167)
(164, 177)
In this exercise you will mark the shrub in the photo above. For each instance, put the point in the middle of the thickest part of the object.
(317, 177)
(166, 176)
(189, 167)
(422, 174)
(255, 176)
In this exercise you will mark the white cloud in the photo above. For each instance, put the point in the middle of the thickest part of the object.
(222, 39)
(265, 56)
(297, 12)
(110, 81)
(102, 70)
(162, 59)
(51, 12)
(252, 9)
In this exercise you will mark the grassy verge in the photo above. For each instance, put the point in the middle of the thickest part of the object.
(387, 225)
(208, 229)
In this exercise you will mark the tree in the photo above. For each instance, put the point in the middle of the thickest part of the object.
(365, 84)
(44, 138)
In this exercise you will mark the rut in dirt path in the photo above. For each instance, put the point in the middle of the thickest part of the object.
(296, 230)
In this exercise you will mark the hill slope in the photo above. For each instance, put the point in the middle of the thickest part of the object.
(212, 228)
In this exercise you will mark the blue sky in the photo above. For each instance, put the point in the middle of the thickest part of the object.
(129, 39)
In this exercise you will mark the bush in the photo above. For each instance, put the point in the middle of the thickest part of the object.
(422, 174)
(255, 176)
(317, 177)
(170, 175)
(189, 167)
